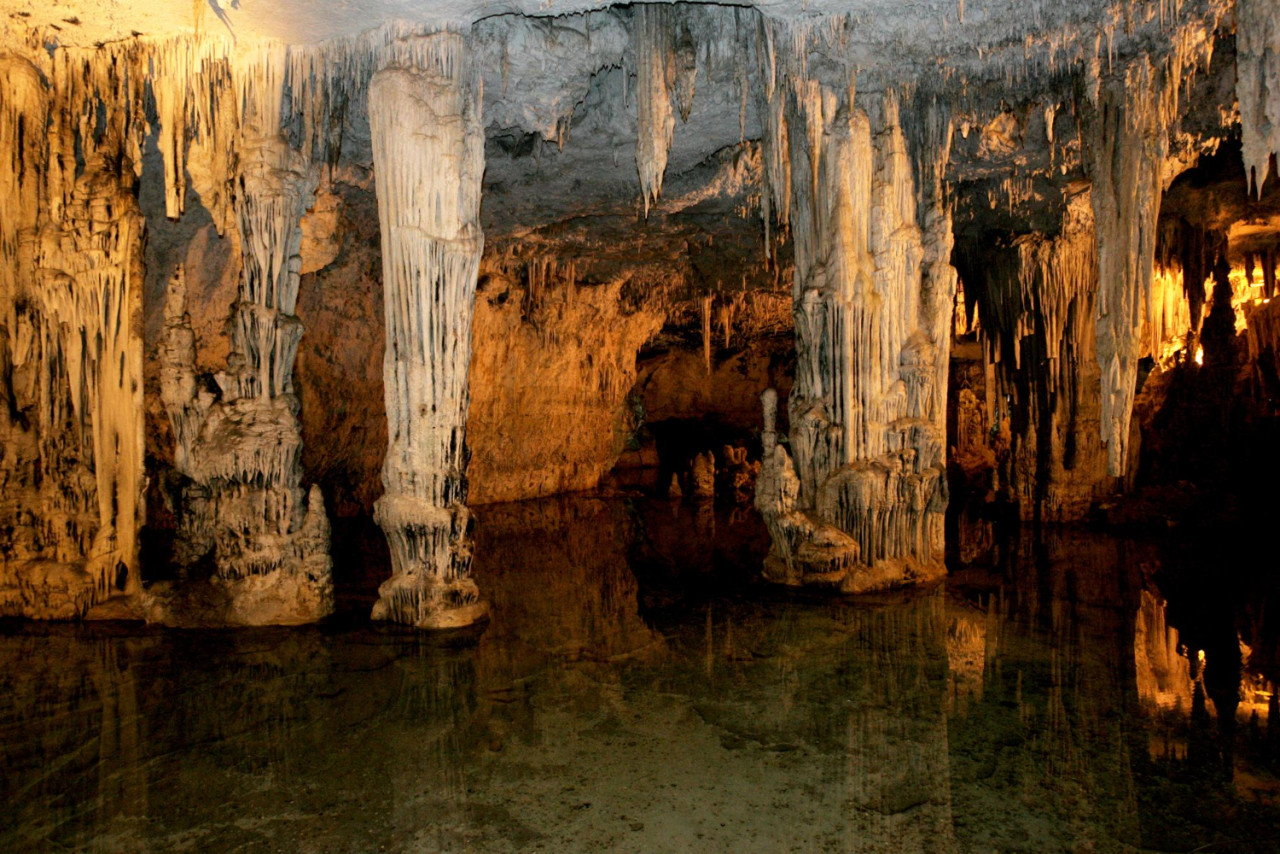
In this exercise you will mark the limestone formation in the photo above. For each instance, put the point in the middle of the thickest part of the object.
(1258, 64)
(71, 467)
(654, 117)
(238, 445)
(1035, 296)
(428, 151)
(159, 163)
(1126, 142)
(873, 295)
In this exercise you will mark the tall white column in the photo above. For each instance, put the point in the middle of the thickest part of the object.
(428, 149)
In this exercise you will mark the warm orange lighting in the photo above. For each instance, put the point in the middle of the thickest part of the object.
(1200, 361)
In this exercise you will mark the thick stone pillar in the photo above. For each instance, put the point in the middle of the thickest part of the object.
(245, 506)
(428, 150)
(861, 507)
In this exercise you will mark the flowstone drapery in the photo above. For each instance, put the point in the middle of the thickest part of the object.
(71, 460)
(861, 506)
(428, 151)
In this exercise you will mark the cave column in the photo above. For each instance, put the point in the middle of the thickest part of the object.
(1126, 136)
(872, 302)
(428, 150)
(244, 505)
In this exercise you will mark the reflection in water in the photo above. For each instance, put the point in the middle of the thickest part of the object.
(1045, 707)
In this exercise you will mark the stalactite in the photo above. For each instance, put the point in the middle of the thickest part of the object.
(428, 148)
(1269, 273)
(655, 73)
(706, 333)
(1258, 86)
(775, 195)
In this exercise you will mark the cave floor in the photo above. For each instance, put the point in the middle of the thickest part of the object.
(637, 691)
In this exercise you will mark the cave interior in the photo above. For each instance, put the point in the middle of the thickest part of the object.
(456, 323)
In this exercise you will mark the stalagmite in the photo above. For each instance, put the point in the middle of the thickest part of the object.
(428, 150)
(872, 300)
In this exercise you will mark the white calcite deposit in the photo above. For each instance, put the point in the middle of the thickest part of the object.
(428, 151)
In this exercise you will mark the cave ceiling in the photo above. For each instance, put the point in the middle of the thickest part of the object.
(560, 107)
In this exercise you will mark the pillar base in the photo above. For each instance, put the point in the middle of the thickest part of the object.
(426, 602)
(852, 579)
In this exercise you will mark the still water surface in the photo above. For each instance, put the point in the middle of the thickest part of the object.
(636, 691)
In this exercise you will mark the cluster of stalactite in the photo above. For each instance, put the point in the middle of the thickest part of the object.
(71, 479)
(428, 150)
(1126, 139)
(1189, 258)
(244, 130)
(75, 123)
(873, 297)
(853, 496)
(1066, 314)
(1034, 298)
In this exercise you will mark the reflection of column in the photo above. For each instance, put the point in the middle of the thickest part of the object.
(898, 764)
(1163, 671)
(122, 776)
(428, 149)
(1058, 705)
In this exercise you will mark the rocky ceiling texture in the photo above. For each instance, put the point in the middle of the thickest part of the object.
(267, 261)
